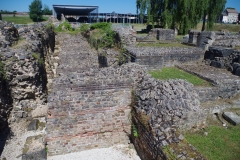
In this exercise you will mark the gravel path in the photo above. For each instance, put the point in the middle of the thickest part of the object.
(15, 144)
(119, 152)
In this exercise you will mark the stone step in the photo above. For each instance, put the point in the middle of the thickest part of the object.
(232, 118)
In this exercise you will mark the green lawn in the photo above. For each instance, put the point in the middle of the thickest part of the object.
(19, 19)
(219, 144)
(175, 73)
(218, 26)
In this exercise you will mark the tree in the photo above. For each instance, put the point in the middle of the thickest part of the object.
(35, 10)
(46, 10)
(214, 9)
(181, 14)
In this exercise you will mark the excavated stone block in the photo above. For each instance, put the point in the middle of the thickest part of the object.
(193, 35)
(217, 64)
(205, 39)
(34, 148)
(165, 34)
(219, 52)
(232, 118)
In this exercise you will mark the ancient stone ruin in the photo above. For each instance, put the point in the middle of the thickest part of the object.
(57, 96)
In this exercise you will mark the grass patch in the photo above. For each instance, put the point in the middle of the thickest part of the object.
(218, 26)
(175, 73)
(20, 20)
(219, 144)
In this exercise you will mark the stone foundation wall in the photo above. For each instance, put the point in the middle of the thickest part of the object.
(157, 58)
(158, 34)
(127, 35)
(226, 58)
(90, 109)
(88, 118)
(206, 39)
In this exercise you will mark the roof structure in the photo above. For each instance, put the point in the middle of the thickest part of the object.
(74, 9)
(232, 11)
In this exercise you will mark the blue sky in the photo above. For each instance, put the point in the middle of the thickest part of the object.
(119, 6)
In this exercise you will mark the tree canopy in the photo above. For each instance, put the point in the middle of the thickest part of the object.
(181, 14)
(46, 10)
(35, 10)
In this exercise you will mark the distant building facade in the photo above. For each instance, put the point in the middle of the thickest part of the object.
(230, 16)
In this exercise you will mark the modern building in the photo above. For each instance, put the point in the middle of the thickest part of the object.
(229, 16)
(90, 14)
(76, 13)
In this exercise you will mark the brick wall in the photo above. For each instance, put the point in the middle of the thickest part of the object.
(157, 58)
(84, 118)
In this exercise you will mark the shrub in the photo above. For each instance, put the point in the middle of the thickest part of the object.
(84, 27)
(101, 25)
(65, 26)
(50, 26)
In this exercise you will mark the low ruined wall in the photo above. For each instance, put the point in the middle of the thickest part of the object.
(157, 58)
(227, 40)
(158, 34)
(91, 109)
(161, 110)
(205, 39)
(148, 147)
(101, 123)
(224, 84)
(214, 93)
(127, 35)
(22, 53)
(226, 58)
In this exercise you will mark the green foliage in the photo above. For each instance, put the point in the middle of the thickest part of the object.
(171, 155)
(17, 20)
(37, 57)
(102, 35)
(46, 149)
(46, 10)
(65, 26)
(181, 14)
(220, 143)
(134, 130)
(123, 57)
(101, 25)
(84, 27)
(108, 38)
(35, 10)
(7, 12)
(50, 26)
(175, 73)
(215, 8)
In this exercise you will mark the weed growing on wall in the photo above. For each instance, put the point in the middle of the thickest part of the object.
(37, 57)
(65, 26)
(101, 35)
(134, 130)
(84, 27)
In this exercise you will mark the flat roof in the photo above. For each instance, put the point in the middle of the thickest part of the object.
(74, 9)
